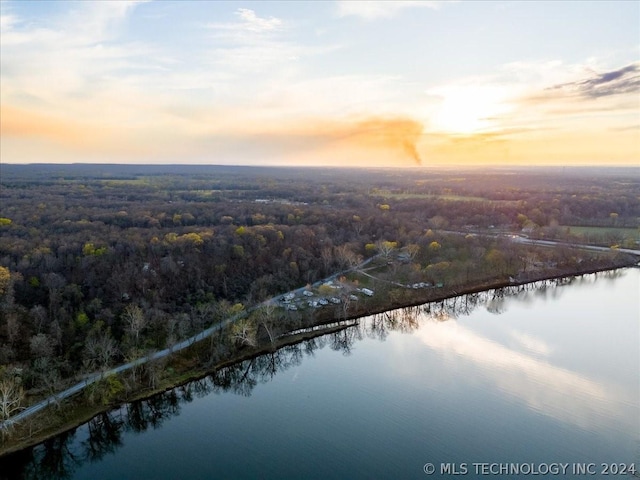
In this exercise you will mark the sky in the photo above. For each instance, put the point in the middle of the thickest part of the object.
(337, 83)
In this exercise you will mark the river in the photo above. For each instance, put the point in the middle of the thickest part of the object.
(543, 382)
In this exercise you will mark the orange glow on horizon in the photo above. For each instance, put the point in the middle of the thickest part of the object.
(17, 122)
(364, 141)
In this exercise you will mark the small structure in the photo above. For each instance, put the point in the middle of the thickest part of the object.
(404, 257)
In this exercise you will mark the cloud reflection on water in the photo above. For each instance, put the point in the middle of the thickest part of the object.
(545, 388)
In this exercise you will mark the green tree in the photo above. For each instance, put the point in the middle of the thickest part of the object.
(496, 261)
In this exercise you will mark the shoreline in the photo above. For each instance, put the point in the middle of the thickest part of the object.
(447, 293)
(72, 413)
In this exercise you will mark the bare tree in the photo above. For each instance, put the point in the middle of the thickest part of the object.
(326, 256)
(357, 224)
(54, 283)
(346, 257)
(154, 371)
(267, 316)
(202, 315)
(12, 328)
(412, 250)
(386, 247)
(46, 373)
(99, 349)
(244, 332)
(39, 316)
(11, 396)
(41, 345)
(135, 320)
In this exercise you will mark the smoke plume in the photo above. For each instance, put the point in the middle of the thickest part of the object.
(398, 134)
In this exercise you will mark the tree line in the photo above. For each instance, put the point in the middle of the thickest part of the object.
(101, 264)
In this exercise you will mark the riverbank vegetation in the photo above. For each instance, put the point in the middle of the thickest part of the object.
(100, 265)
(240, 374)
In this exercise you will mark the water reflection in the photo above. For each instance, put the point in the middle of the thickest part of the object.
(523, 372)
(533, 345)
(59, 457)
(546, 388)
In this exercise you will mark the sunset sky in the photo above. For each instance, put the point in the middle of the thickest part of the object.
(401, 83)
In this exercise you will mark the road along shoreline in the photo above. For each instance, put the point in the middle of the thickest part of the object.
(411, 298)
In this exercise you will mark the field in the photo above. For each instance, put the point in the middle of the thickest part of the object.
(448, 197)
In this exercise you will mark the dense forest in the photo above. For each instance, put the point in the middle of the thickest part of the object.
(101, 263)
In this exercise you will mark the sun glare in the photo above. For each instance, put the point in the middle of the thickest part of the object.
(468, 109)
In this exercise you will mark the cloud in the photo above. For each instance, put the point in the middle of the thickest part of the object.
(529, 100)
(615, 82)
(98, 20)
(377, 9)
(256, 24)
(627, 128)
(603, 99)
(70, 54)
(86, 68)
(255, 45)
(7, 21)
(86, 23)
(249, 26)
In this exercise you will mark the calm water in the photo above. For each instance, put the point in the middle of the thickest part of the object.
(544, 376)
